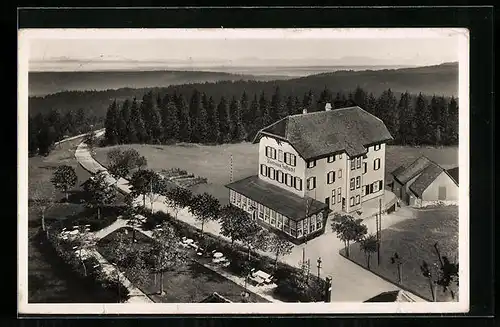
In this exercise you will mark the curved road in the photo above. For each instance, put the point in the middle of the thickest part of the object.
(350, 283)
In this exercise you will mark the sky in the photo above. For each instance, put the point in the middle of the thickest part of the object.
(95, 51)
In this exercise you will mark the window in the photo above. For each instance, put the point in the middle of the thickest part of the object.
(376, 164)
(263, 170)
(293, 227)
(365, 167)
(311, 164)
(311, 183)
(279, 176)
(358, 162)
(357, 199)
(266, 214)
(319, 221)
(232, 196)
(375, 186)
(287, 158)
(306, 226)
(351, 201)
(331, 158)
(353, 163)
(358, 182)
(286, 224)
(293, 160)
(238, 197)
(339, 194)
(269, 152)
(271, 173)
(340, 156)
(280, 155)
(298, 184)
(352, 184)
(340, 173)
(273, 218)
(330, 177)
(273, 153)
(299, 229)
(333, 196)
(289, 180)
(367, 189)
(261, 211)
(312, 224)
(376, 147)
(280, 221)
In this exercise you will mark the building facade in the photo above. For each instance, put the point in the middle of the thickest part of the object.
(322, 162)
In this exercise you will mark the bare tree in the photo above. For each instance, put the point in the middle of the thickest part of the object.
(43, 197)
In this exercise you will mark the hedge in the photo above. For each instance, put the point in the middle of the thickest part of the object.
(113, 291)
(237, 254)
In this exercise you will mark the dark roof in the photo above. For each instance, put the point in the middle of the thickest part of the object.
(404, 173)
(321, 133)
(275, 197)
(453, 172)
(428, 175)
(391, 296)
(215, 298)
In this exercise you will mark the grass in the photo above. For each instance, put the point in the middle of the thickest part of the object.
(213, 162)
(189, 282)
(413, 240)
(47, 281)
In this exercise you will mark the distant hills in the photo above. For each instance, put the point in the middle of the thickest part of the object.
(439, 79)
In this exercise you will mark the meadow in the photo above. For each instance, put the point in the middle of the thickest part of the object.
(214, 162)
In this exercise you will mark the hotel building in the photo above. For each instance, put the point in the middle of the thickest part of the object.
(312, 164)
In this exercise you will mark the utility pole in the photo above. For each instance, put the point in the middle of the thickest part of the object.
(319, 266)
(379, 230)
(231, 168)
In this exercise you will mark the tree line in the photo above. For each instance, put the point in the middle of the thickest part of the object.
(44, 130)
(166, 118)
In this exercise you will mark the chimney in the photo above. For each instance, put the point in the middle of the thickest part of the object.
(304, 111)
(328, 106)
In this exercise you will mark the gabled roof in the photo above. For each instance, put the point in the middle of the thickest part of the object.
(428, 175)
(404, 173)
(276, 198)
(392, 296)
(322, 133)
(453, 172)
(215, 298)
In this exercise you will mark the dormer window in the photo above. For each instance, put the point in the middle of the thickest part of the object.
(331, 158)
(311, 164)
(376, 147)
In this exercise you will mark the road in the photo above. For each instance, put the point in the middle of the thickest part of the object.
(350, 282)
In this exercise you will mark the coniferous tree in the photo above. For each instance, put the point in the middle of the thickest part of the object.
(443, 120)
(69, 126)
(55, 120)
(435, 119)
(387, 104)
(111, 124)
(424, 120)
(201, 127)
(245, 110)
(185, 126)
(324, 97)
(126, 129)
(170, 122)
(81, 121)
(264, 108)
(350, 100)
(407, 128)
(290, 105)
(238, 132)
(223, 110)
(308, 101)
(277, 109)
(194, 105)
(338, 102)
(213, 122)
(371, 104)
(32, 137)
(254, 117)
(360, 97)
(138, 122)
(298, 107)
(152, 118)
(452, 125)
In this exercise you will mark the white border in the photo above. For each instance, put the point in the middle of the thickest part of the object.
(24, 37)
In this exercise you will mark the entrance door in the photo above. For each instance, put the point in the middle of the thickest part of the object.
(327, 201)
(442, 193)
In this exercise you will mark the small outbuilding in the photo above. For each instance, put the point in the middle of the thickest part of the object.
(424, 182)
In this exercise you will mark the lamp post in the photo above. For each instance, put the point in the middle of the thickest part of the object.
(319, 266)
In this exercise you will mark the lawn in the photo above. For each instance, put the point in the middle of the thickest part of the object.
(213, 162)
(413, 240)
(189, 282)
(48, 282)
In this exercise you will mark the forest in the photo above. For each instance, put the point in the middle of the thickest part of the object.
(164, 118)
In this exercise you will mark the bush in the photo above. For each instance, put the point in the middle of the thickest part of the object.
(294, 288)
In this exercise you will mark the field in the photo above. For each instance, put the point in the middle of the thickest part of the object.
(48, 281)
(188, 282)
(213, 162)
(413, 240)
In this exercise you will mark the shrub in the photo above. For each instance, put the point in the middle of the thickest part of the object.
(294, 288)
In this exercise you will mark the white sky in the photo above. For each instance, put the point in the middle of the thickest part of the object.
(221, 47)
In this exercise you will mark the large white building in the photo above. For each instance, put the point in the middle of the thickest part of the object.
(312, 164)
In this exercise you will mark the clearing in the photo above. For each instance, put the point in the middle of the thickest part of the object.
(413, 240)
(213, 162)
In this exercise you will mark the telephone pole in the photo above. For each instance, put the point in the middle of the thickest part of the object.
(379, 230)
(231, 168)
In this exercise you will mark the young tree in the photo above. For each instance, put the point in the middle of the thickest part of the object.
(280, 247)
(205, 208)
(158, 187)
(255, 237)
(84, 242)
(99, 192)
(348, 229)
(178, 198)
(131, 215)
(369, 245)
(396, 260)
(42, 196)
(234, 221)
(64, 178)
(427, 272)
(165, 252)
(142, 182)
